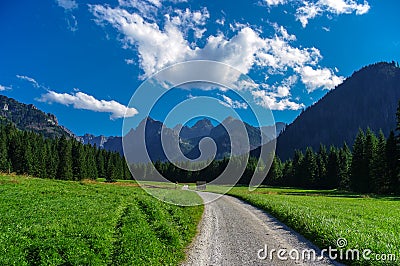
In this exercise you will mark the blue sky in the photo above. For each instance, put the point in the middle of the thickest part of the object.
(83, 60)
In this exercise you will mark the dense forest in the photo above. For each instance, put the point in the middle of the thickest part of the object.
(370, 166)
(26, 152)
(366, 99)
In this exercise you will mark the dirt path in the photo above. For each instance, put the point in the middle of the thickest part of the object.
(232, 232)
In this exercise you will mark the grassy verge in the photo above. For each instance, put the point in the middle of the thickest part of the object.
(324, 216)
(47, 222)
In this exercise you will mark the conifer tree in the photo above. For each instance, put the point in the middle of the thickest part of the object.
(392, 159)
(358, 164)
(64, 171)
(370, 154)
(345, 157)
(332, 169)
(310, 168)
(379, 170)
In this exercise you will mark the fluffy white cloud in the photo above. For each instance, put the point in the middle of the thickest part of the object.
(268, 100)
(161, 44)
(4, 88)
(157, 48)
(67, 4)
(228, 102)
(80, 100)
(318, 78)
(29, 79)
(310, 10)
(187, 20)
(277, 96)
(344, 6)
(275, 2)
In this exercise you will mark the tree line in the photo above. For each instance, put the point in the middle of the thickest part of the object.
(29, 153)
(371, 165)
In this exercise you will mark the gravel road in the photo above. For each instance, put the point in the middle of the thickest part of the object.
(232, 232)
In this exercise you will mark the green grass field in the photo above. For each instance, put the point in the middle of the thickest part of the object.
(324, 216)
(48, 222)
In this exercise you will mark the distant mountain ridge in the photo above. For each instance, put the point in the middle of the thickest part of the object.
(187, 137)
(368, 98)
(28, 117)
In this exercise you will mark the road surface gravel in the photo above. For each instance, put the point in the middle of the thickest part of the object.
(232, 233)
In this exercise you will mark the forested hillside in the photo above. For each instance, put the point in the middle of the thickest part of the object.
(25, 152)
(366, 99)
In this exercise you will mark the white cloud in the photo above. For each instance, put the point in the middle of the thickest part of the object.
(345, 6)
(72, 23)
(4, 88)
(29, 79)
(275, 2)
(277, 96)
(228, 102)
(161, 44)
(326, 29)
(67, 4)
(187, 20)
(146, 8)
(80, 100)
(220, 21)
(318, 78)
(306, 12)
(268, 100)
(310, 10)
(129, 61)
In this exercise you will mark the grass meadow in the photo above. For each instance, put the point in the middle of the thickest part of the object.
(48, 222)
(324, 216)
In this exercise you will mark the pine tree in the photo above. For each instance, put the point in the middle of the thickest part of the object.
(322, 161)
(64, 171)
(345, 158)
(79, 167)
(310, 168)
(52, 159)
(392, 159)
(370, 154)
(358, 164)
(287, 173)
(298, 172)
(4, 162)
(379, 173)
(275, 172)
(332, 169)
(100, 163)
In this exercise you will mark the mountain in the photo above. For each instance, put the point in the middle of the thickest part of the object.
(99, 141)
(28, 117)
(273, 131)
(201, 128)
(368, 98)
(187, 137)
(223, 140)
